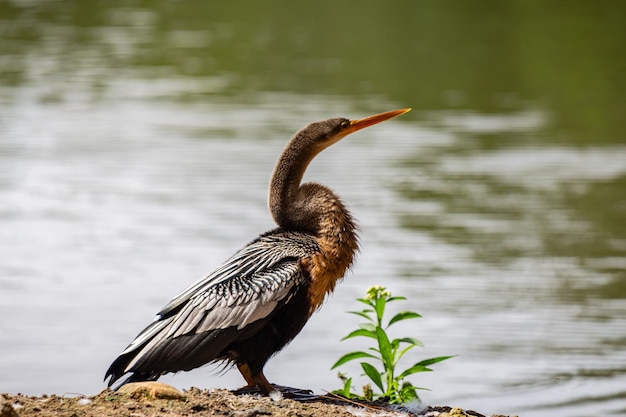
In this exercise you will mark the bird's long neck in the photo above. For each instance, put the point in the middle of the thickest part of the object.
(315, 209)
(288, 206)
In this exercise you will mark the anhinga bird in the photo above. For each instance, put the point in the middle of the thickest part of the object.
(250, 307)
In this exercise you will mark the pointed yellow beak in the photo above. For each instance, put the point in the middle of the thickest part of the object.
(372, 120)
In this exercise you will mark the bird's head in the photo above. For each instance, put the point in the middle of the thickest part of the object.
(293, 206)
(327, 132)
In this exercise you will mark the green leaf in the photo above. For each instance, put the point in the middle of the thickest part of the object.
(366, 301)
(427, 362)
(408, 393)
(394, 344)
(385, 348)
(403, 315)
(361, 332)
(364, 313)
(422, 366)
(390, 299)
(411, 341)
(347, 386)
(352, 356)
(380, 308)
(413, 370)
(368, 326)
(373, 374)
(403, 351)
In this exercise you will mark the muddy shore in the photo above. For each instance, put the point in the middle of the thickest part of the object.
(200, 403)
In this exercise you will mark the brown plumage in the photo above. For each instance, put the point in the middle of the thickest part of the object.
(258, 300)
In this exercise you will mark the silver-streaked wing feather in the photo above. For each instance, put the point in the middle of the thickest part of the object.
(258, 255)
(246, 288)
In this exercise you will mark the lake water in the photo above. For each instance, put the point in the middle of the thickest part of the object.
(137, 140)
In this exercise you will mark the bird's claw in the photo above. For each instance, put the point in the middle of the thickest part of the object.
(297, 394)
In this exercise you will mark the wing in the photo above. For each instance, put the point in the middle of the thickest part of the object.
(259, 255)
(231, 302)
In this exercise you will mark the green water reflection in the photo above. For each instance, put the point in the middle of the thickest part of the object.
(488, 56)
(491, 57)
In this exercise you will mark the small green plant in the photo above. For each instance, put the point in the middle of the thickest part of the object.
(388, 379)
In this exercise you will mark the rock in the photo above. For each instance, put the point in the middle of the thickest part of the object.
(150, 390)
(7, 410)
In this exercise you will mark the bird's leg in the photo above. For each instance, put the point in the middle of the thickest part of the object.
(258, 382)
(245, 371)
(254, 382)
(262, 382)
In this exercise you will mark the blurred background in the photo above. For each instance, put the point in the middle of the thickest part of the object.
(137, 139)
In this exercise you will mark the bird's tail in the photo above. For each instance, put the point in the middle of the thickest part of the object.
(120, 366)
(117, 371)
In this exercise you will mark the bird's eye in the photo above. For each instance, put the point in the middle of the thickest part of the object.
(345, 124)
